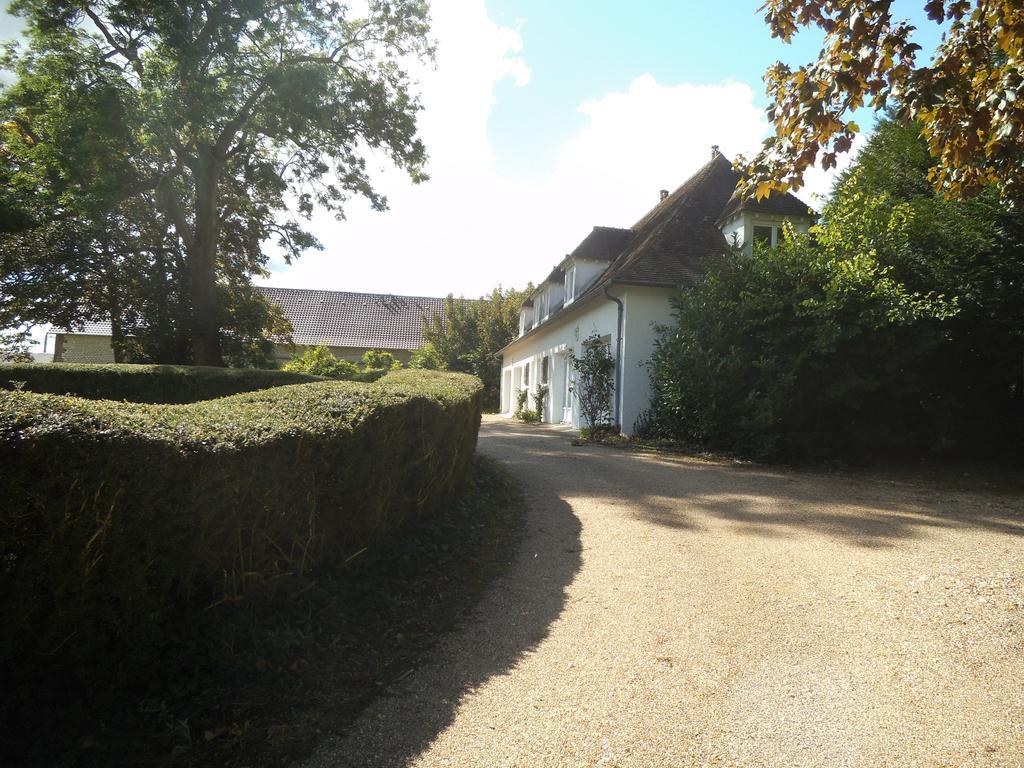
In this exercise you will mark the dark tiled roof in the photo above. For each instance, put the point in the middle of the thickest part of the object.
(669, 244)
(370, 320)
(556, 276)
(667, 247)
(340, 319)
(602, 244)
(89, 328)
(671, 241)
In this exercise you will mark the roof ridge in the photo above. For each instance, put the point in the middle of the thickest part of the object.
(681, 192)
(348, 293)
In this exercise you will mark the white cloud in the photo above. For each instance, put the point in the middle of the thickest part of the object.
(653, 137)
(470, 228)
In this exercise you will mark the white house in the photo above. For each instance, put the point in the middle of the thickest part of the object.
(618, 283)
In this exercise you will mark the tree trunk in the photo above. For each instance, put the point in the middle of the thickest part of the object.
(203, 263)
(117, 337)
(117, 341)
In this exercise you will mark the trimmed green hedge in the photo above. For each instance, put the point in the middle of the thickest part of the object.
(133, 536)
(142, 383)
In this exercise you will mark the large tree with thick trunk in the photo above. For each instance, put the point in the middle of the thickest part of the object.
(245, 115)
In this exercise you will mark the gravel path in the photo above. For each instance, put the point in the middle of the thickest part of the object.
(672, 612)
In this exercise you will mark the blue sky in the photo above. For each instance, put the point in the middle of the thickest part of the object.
(579, 50)
(545, 118)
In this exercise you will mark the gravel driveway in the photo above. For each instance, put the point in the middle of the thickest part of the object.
(672, 612)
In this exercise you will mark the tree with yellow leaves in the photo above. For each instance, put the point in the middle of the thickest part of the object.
(968, 100)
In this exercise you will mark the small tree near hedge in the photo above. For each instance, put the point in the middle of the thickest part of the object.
(319, 361)
(594, 382)
(377, 360)
(426, 358)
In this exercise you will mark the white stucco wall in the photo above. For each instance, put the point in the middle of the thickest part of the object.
(645, 309)
(598, 316)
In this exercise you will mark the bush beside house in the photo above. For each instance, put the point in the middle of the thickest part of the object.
(140, 538)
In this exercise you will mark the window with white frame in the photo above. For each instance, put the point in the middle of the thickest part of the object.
(570, 284)
(545, 364)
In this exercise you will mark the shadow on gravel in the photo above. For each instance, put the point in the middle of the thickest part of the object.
(865, 511)
(772, 502)
(513, 619)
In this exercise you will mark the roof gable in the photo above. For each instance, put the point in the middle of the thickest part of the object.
(602, 244)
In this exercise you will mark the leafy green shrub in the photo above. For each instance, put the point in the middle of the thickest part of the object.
(141, 383)
(647, 426)
(784, 353)
(427, 357)
(594, 384)
(320, 361)
(894, 329)
(523, 411)
(539, 397)
(375, 359)
(140, 540)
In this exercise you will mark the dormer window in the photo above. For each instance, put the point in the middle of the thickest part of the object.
(769, 236)
(570, 284)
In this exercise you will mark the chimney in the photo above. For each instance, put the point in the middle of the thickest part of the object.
(663, 194)
(714, 151)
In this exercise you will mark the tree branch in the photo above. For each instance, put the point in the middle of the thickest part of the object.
(227, 135)
(130, 53)
(168, 200)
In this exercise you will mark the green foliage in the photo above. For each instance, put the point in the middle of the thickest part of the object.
(141, 383)
(594, 381)
(151, 149)
(375, 359)
(894, 327)
(523, 412)
(15, 346)
(539, 398)
(142, 542)
(320, 361)
(471, 333)
(426, 358)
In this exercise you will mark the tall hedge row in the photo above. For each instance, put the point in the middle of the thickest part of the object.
(141, 383)
(131, 533)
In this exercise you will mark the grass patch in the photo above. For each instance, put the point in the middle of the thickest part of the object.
(330, 650)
